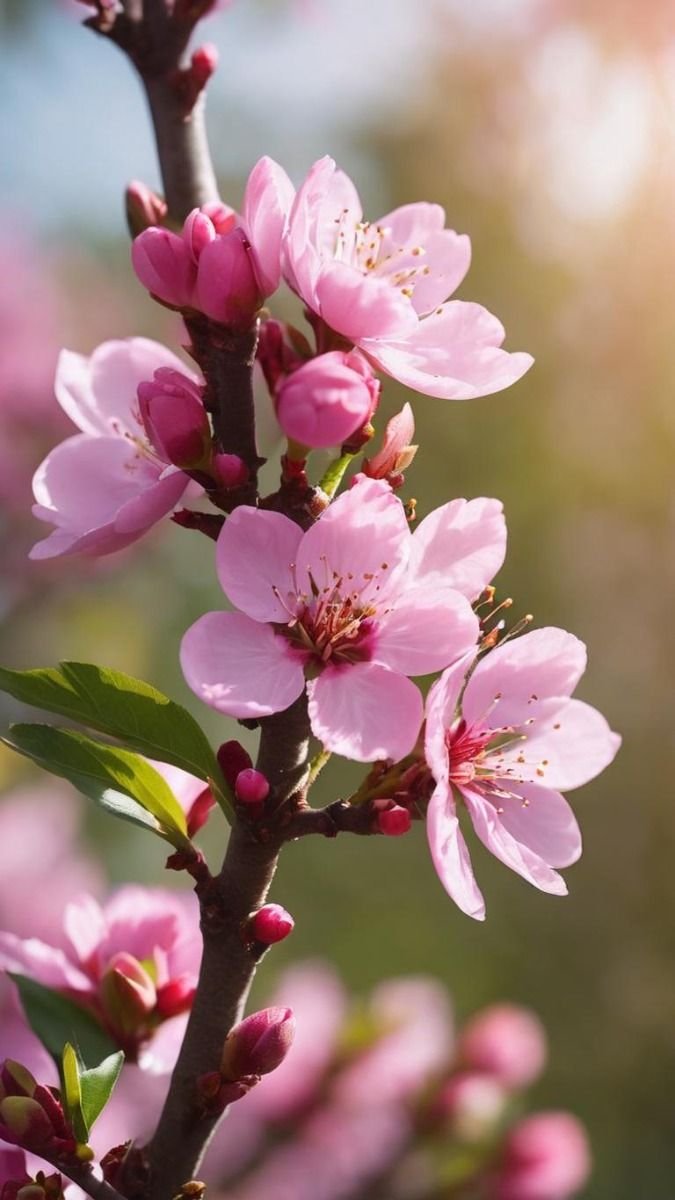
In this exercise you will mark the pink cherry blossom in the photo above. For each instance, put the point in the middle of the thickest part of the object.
(358, 602)
(384, 286)
(546, 1157)
(505, 746)
(119, 961)
(506, 1042)
(105, 487)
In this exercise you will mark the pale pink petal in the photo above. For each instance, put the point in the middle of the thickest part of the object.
(116, 368)
(425, 630)
(365, 712)
(541, 819)
(239, 666)
(362, 306)
(440, 708)
(454, 353)
(410, 224)
(363, 539)
(448, 256)
(255, 557)
(512, 680)
(267, 201)
(415, 240)
(84, 925)
(497, 839)
(158, 1056)
(41, 962)
(567, 745)
(185, 787)
(450, 854)
(310, 231)
(72, 386)
(154, 502)
(460, 545)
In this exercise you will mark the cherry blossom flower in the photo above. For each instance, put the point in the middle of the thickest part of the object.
(105, 487)
(384, 287)
(357, 604)
(506, 744)
(133, 963)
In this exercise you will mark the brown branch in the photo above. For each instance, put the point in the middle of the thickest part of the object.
(83, 1176)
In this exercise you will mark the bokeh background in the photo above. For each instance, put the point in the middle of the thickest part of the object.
(545, 127)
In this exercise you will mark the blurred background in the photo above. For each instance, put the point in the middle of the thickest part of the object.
(545, 127)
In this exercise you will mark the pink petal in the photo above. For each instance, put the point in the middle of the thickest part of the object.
(362, 539)
(546, 824)
(411, 224)
(267, 201)
(497, 839)
(239, 666)
(512, 680)
(568, 744)
(99, 393)
(461, 545)
(416, 240)
(312, 232)
(72, 386)
(425, 630)
(450, 854)
(362, 306)
(84, 925)
(440, 709)
(365, 712)
(454, 353)
(41, 962)
(153, 503)
(255, 556)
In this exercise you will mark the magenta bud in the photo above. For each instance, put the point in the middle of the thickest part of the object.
(506, 1042)
(251, 787)
(144, 207)
(259, 1044)
(203, 64)
(326, 400)
(164, 265)
(176, 996)
(230, 470)
(232, 759)
(200, 811)
(269, 924)
(175, 419)
(392, 820)
(198, 231)
(227, 290)
(545, 1157)
(127, 993)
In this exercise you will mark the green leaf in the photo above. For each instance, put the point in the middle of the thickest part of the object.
(109, 775)
(72, 1092)
(97, 1085)
(56, 1020)
(128, 709)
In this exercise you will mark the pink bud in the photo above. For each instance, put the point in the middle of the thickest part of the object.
(164, 265)
(226, 285)
(276, 357)
(203, 63)
(175, 419)
(471, 1104)
(176, 996)
(229, 469)
(326, 400)
(269, 924)
(200, 810)
(233, 758)
(393, 820)
(396, 452)
(198, 231)
(259, 1044)
(251, 787)
(504, 1041)
(546, 1157)
(144, 207)
(223, 217)
(127, 993)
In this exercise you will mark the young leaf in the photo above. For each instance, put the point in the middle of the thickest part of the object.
(107, 774)
(128, 709)
(72, 1092)
(56, 1020)
(97, 1085)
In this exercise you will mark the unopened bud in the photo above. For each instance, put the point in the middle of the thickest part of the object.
(23, 1122)
(175, 419)
(545, 1157)
(326, 400)
(259, 1044)
(391, 819)
(471, 1105)
(176, 996)
(251, 787)
(144, 208)
(232, 759)
(223, 217)
(269, 924)
(227, 290)
(230, 470)
(506, 1042)
(164, 265)
(200, 811)
(276, 353)
(396, 452)
(127, 993)
(203, 64)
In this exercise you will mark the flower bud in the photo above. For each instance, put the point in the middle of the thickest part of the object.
(164, 265)
(223, 217)
(251, 787)
(230, 470)
(203, 64)
(396, 452)
(175, 419)
(176, 996)
(506, 1042)
(545, 1157)
(23, 1122)
(471, 1105)
(144, 207)
(258, 1044)
(327, 399)
(198, 231)
(269, 924)
(276, 357)
(127, 994)
(199, 812)
(232, 759)
(227, 290)
(392, 820)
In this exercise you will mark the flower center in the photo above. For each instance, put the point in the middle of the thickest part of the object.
(369, 248)
(334, 628)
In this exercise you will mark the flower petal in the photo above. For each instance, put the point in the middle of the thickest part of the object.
(255, 558)
(454, 353)
(569, 744)
(365, 712)
(239, 666)
(425, 630)
(440, 711)
(460, 545)
(362, 306)
(153, 503)
(267, 201)
(450, 854)
(511, 682)
(497, 839)
(542, 820)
